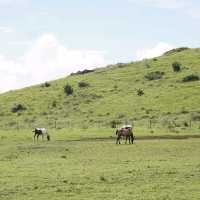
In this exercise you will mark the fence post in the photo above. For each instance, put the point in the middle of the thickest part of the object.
(150, 123)
(55, 124)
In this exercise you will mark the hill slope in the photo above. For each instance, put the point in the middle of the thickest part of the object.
(115, 94)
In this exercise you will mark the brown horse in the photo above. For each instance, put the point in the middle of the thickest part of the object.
(125, 132)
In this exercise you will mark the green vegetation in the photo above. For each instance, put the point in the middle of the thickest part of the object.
(68, 89)
(112, 96)
(191, 77)
(154, 75)
(82, 84)
(80, 111)
(68, 169)
(176, 66)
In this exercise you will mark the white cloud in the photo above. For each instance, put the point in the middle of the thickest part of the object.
(5, 29)
(158, 50)
(46, 59)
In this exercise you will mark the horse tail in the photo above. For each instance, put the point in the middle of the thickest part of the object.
(48, 137)
(132, 136)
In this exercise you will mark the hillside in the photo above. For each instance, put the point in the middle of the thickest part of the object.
(112, 95)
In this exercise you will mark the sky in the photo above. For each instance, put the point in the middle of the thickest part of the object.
(46, 40)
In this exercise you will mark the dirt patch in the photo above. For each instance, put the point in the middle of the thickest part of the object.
(163, 137)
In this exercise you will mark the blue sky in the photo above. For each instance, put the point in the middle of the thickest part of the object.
(64, 36)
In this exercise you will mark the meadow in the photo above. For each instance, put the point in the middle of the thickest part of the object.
(71, 167)
(82, 160)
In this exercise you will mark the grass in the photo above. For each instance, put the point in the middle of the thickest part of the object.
(112, 95)
(68, 169)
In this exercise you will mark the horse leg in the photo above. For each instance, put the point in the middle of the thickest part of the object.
(42, 137)
(37, 136)
(132, 138)
(118, 140)
(129, 139)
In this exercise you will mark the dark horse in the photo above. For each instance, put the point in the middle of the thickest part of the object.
(125, 132)
(42, 132)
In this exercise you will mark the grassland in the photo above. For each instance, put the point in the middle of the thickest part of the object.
(82, 160)
(112, 96)
(97, 169)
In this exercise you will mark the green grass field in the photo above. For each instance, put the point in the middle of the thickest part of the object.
(82, 160)
(66, 168)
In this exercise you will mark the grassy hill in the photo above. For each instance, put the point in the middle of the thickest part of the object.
(117, 94)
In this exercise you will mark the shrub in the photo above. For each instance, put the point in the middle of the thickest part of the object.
(191, 77)
(176, 66)
(102, 178)
(154, 75)
(121, 65)
(177, 50)
(196, 117)
(82, 84)
(86, 71)
(18, 108)
(114, 123)
(68, 89)
(186, 124)
(46, 84)
(54, 104)
(140, 92)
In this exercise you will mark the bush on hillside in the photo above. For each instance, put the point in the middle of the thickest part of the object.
(177, 50)
(114, 123)
(18, 108)
(176, 66)
(154, 75)
(86, 71)
(196, 117)
(140, 92)
(83, 84)
(54, 104)
(46, 84)
(68, 89)
(121, 65)
(191, 77)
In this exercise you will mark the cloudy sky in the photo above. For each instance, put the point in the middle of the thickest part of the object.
(45, 40)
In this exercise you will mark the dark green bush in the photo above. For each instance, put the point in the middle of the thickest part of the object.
(114, 123)
(177, 50)
(196, 117)
(68, 89)
(140, 92)
(154, 75)
(82, 84)
(191, 77)
(176, 66)
(54, 104)
(18, 108)
(46, 84)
